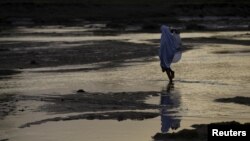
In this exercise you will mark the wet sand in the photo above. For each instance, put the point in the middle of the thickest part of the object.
(78, 79)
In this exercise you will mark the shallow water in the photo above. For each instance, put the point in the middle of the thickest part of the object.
(201, 77)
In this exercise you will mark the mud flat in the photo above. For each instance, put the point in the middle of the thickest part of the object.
(62, 77)
(237, 100)
(120, 116)
(7, 105)
(85, 101)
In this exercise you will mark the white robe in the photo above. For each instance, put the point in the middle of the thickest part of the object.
(168, 47)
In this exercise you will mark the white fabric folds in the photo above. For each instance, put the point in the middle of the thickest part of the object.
(169, 47)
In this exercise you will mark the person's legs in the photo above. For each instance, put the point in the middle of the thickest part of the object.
(172, 73)
(163, 69)
(168, 71)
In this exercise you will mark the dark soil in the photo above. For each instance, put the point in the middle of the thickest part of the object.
(199, 133)
(120, 116)
(237, 100)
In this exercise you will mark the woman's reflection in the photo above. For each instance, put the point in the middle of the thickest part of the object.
(169, 99)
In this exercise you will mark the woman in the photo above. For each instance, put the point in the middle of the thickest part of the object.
(170, 44)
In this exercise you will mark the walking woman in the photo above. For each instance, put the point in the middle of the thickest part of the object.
(169, 50)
